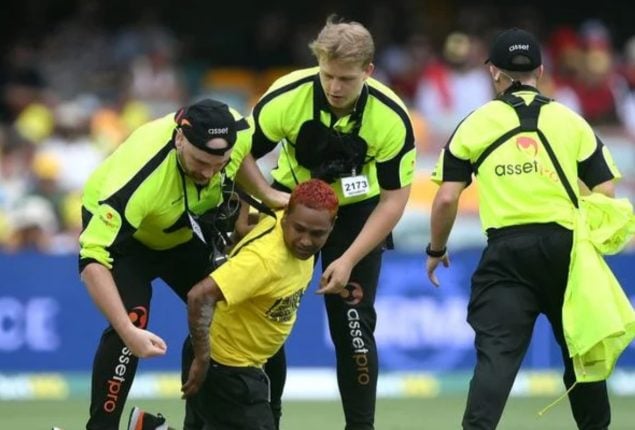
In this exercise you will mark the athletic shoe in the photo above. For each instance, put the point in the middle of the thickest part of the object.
(140, 420)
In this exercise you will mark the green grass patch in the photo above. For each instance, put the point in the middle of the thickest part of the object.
(392, 414)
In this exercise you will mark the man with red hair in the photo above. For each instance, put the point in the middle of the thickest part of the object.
(241, 314)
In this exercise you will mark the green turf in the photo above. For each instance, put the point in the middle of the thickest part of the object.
(392, 414)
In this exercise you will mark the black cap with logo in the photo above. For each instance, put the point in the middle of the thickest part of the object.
(205, 120)
(515, 50)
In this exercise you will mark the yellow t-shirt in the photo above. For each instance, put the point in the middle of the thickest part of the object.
(262, 283)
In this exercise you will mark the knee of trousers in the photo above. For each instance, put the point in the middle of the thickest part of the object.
(343, 315)
(352, 329)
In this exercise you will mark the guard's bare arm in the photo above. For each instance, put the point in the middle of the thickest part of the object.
(607, 188)
(253, 181)
(377, 227)
(103, 291)
(443, 214)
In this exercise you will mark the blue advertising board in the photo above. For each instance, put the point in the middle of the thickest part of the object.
(48, 322)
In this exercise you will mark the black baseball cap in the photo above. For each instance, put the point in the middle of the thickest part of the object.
(509, 48)
(205, 120)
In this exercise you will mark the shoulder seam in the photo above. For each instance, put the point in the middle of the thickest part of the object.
(388, 101)
(395, 107)
(142, 174)
(283, 89)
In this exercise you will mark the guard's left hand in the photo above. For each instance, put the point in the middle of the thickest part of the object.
(196, 377)
(431, 266)
(335, 277)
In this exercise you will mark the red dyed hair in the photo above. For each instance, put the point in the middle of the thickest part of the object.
(314, 194)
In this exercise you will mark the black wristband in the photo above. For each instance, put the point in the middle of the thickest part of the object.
(436, 254)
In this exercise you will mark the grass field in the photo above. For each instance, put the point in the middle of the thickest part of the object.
(392, 414)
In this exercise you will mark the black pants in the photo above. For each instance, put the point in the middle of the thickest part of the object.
(234, 398)
(522, 273)
(352, 320)
(114, 366)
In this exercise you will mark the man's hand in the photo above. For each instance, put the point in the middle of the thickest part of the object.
(276, 199)
(335, 277)
(431, 266)
(143, 343)
(196, 376)
(102, 289)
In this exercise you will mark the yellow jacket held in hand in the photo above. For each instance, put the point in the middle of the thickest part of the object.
(598, 318)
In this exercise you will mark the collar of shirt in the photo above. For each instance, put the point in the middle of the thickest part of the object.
(522, 87)
(321, 103)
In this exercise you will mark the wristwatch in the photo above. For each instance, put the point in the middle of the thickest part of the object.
(434, 253)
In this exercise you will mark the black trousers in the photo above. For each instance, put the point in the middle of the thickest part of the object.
(352, 319)
(522, 273)
(234, 398)
(114, 367)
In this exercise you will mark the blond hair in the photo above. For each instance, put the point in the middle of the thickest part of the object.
(348, 41)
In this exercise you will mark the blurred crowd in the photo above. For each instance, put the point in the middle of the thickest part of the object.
(70, 99)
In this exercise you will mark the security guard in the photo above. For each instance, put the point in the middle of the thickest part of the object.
(155, 209)
(524, 149)
(336, 123)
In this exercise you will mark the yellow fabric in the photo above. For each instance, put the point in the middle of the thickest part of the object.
(517, 182)
(610, 222)
(598, 318)
(262, 284)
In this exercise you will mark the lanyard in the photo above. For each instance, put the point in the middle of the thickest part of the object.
(193, 218)
(355, 116)
(184, 187)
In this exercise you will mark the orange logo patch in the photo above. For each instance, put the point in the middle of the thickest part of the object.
(139, 316)
(527, 145)
(352, 293)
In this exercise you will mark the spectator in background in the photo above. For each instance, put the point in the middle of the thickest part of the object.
(562, 58)
(563, 93)
(32, 225)
(403, 64)
(36, 216)
(627, 70)
(154, 78)
(45, 182)
(71, 144)
(16, 155)
(628, 65)
(451, 87)
(564, 55)
(599, 87)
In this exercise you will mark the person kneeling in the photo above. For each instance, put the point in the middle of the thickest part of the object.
(242, 313)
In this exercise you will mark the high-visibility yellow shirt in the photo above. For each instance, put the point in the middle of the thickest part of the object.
(518, 183)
